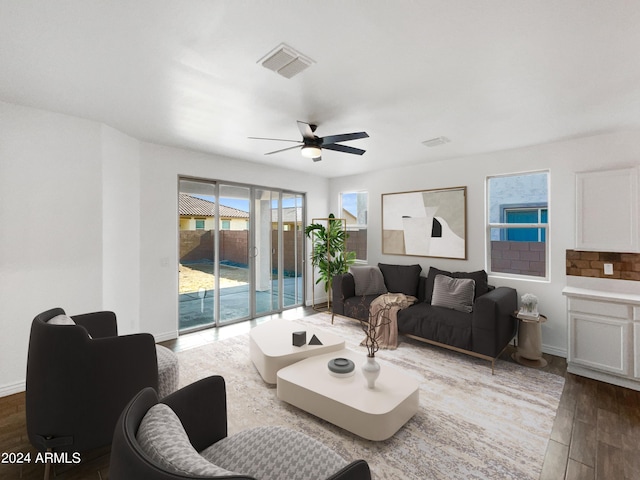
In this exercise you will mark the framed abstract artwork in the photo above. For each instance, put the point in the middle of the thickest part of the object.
(425, 223)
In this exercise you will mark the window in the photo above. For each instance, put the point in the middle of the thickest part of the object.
(225, 224)
(199, 224)
(354, 206)
(518, 224)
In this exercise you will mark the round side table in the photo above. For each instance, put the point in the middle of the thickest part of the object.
(530, 343)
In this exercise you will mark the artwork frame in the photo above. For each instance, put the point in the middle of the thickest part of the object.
(425, 223)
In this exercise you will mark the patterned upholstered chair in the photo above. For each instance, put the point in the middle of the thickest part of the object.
(81, 375)
(185, 437)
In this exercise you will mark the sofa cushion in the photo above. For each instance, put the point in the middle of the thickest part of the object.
(479, 277)
(368, 280)
(439, 324)
(454, 293)
(401, 278)
(163, 438)
(358, 307)
(61, 320)
(275, 453)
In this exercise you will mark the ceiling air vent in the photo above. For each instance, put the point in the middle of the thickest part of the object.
(285, 61)
(434, 142)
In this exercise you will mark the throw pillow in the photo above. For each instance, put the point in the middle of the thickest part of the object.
(61, 320)
(454, 293)
(162, 437)
(275, 453)
(368, 280)
(401, 278)
(479, 277)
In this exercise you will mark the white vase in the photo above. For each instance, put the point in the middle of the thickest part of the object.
(371, 371)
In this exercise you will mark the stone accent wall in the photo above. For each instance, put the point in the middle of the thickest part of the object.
(523, 258)
(626, 266)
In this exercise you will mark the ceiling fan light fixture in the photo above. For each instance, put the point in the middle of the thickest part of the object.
(310, 151)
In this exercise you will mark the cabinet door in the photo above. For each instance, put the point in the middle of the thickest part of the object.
(607, 211)
(600, 343)
(636, 350)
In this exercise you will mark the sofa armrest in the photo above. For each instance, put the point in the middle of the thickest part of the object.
(493, 325)
(202, 409)
(343, 287)
(356, 470)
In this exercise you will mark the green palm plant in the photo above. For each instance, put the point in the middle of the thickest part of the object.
(328, 254)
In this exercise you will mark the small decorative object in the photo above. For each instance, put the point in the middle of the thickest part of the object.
(299, 338)
(315, 341)
(529, 308)
(371, 371)
(341, 367)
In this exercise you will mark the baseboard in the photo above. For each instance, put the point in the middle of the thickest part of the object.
(603, 377)
(11, 389)
(558, 352)
(163, 337)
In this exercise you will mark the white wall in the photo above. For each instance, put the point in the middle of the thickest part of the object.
(121, 227)
(563, 159)
(50, 225)
(88, 221)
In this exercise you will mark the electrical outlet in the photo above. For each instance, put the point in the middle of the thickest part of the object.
(608, 268)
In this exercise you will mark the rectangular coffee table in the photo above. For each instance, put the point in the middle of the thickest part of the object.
(374, 414)
(271, 347)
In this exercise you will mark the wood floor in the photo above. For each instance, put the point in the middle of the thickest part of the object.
(596, 433)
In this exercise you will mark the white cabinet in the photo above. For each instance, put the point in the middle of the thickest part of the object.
(607, 211)
(604, 336)
(636, 348)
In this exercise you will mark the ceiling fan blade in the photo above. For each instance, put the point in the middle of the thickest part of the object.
(317, 159)
(343, 137)
(282, 150)
(276, 139)
(305, 130)
(343, 148)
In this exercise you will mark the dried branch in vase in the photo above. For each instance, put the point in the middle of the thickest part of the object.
(372, 329)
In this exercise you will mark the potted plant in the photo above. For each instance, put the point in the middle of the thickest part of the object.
(328, 254)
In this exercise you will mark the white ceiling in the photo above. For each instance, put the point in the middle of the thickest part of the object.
(489, 75)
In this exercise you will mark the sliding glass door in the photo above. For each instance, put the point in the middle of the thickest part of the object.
(241, 252)
(197, 260)
(234, 267)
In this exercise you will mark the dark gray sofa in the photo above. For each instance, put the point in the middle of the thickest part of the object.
(483, 333)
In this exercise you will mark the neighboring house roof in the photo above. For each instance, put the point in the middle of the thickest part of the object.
(289, 214)
(193, 206)
(350, 217)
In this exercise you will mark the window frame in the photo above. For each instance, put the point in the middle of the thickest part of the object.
(503, 226)
(357, 226)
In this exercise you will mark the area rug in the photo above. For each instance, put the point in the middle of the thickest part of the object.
(471, 424)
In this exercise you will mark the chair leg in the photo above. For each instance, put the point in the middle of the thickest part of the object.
(47, 467)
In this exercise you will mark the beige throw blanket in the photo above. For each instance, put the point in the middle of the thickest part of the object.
(383, 318)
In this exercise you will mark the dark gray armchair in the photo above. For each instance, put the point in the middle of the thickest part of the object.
(80, 377)
(189, 440)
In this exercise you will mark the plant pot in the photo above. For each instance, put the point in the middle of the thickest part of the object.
(371, 371)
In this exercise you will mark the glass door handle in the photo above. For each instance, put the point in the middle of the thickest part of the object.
(255, 252)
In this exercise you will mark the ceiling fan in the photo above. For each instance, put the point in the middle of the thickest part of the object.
(311, 145)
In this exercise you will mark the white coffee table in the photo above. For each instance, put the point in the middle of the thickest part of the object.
(374, 414)
(271, 347)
